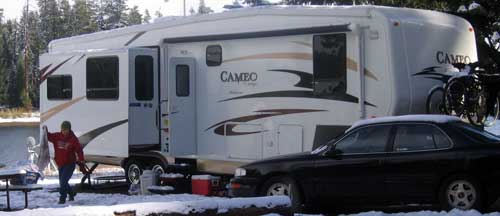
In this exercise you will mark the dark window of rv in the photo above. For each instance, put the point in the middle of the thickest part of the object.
(214, 55)
(102, 78)
(59, 87)
(144, 78)
(182, 80)
(330, 71)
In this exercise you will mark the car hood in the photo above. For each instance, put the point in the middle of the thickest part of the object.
(282, 158)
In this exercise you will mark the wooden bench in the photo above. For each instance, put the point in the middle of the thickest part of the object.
(24, 188)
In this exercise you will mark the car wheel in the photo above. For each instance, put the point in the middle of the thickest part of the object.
(284, 186)
(461, 193)
(133, 172)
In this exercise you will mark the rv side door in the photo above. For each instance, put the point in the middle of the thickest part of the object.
(143, 99)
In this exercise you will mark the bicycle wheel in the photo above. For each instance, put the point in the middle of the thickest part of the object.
(476, 109)
(493, 115)
(454, 98)
(434, 103)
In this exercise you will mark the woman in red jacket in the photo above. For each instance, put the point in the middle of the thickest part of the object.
(68, 151)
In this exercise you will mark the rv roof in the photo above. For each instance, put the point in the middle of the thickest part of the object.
(406, 118)
(309, 11)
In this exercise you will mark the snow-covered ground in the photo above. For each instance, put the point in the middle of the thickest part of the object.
(33, 117)
(44, 202)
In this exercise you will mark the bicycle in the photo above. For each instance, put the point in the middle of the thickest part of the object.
(472, 94)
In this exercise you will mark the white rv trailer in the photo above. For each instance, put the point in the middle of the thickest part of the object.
(229, 88)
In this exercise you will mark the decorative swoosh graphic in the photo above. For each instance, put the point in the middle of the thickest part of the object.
(44, 76)
(227, 129)
(304, 82)
(81, 57)
(85, 139)
(51, 112)
(42, 71)
(353, 66)
(431, 73)
(306, 79)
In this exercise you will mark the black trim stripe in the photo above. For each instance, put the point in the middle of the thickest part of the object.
(137, 36)
(301, 94)
(89, 136)
(261, 34)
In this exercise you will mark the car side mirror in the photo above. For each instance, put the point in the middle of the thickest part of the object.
(335, 154)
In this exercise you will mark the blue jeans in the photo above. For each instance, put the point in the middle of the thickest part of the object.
(65, 173)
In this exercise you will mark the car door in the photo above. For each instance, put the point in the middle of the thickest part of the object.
(421, 155)
(350, 169)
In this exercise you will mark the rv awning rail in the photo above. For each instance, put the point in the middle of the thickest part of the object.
(261, 34)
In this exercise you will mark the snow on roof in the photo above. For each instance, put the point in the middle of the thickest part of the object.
(406, 118)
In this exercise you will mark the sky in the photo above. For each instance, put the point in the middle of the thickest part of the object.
(12, 8)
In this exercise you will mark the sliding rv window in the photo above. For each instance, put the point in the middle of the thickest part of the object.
(102, 78)
(144, 78)
(59, 87)
(214, 55)
(329, 65)
(182, 80)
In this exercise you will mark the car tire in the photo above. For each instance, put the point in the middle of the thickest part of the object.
(285, 186)
(461, 192)
(133, 171)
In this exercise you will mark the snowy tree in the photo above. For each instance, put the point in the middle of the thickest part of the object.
(192, 11)
(112, 13)
(50, 20)
(147, 16)
(158, 14)
(84, 15)
(67, 19)
(134, 16)
(203, 9)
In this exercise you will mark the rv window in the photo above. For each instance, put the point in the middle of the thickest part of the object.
(102, 78)
(144, 78)
(214, 55)
(182, 80)
(59, 87)
(329, 66)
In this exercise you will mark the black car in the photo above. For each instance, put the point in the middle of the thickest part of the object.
(385, 161)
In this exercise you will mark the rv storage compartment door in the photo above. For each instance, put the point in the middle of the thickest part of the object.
(290, 139)
(182, 106)
(143, 98)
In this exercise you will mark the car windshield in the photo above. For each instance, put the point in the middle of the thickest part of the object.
(477, 133)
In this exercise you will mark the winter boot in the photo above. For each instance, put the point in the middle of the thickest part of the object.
(72, 196)
(61, 200)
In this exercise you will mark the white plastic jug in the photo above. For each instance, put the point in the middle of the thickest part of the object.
(147, 179)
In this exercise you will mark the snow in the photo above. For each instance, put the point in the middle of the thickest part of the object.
(34, 117)
(171, 175)
(161, 188)
(406, 118)
(7, 172)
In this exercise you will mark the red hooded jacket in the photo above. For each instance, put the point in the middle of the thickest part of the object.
(66, 148)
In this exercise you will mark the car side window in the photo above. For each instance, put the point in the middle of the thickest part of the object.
(419, 137)
(371, 139)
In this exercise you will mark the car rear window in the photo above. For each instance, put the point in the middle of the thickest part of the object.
(477, 133)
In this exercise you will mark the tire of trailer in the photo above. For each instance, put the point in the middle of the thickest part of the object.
(133, 171)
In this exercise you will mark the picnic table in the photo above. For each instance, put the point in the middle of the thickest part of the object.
(7, 175)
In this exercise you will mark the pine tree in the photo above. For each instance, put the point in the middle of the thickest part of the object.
(147, 16)
(9, 40)
(158, 14)
(192, 11)
(67, 20)
(203, 9)
(83, 17)
(50, 21)
(134, 16)
(113, 13)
